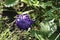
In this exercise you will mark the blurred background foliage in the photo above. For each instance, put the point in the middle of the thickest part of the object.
(46, 15)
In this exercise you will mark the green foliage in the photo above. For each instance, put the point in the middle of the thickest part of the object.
(31, 2)
(9, 3)
(48, 27)
(46, 14)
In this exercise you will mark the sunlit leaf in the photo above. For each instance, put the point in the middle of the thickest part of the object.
(9, 3)
(48, 27)
(31, 2)
(39, 37)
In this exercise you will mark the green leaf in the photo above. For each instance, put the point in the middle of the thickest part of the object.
(52, 37)
(48, 27)
(9, 3)
(37, 34)
(19, 12)
(26, 12)
(1, 24)
(57, 37)
(39, 37)
(42, 4)
(49, 3)
(53, 27)
(59, 22)
(45, 27)
(31, 2)
(49, 15)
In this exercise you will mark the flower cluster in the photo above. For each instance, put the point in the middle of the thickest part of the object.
(24, 21)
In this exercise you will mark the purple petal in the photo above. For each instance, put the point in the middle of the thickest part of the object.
(24, 21)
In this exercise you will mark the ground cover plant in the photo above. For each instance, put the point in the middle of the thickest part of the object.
(29, 19)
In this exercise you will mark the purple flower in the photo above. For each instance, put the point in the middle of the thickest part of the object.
(24, 21)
